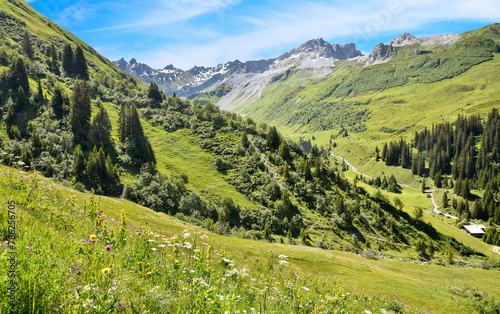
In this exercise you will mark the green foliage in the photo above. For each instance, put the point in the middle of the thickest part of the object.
(100, 131)
(26, 46)
(101, 173)
(80, 112)
(79, 67)
(131, 133)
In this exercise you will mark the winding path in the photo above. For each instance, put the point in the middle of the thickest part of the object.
(410, 187)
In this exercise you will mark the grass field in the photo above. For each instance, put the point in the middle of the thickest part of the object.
(439, 289)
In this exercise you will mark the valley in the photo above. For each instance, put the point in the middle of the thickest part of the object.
(309, 182)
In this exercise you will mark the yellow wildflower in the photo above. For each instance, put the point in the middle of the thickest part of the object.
(105, 270)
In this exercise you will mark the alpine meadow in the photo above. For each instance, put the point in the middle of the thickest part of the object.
(319, 181)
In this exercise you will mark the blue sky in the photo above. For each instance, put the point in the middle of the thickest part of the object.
(197, 32)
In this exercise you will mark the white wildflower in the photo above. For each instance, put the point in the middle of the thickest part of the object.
(154, 249)
(187, 235)
(161, 245)
(188, 245)
(283, 263)
(305, 288)
(282, 256)
(151, 240)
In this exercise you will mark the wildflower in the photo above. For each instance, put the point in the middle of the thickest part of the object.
(282, 256)
(105, 270)
(154, 249)
(90, 241)
(283, 263)
(187, 235)
(151, 240)
(188, 245)
(108, 247)
(140, 264)
(305, 288)
(93, 237)
(147, 265)
(148, 273)
(161, 245)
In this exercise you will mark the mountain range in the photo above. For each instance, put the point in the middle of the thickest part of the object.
(246, 81)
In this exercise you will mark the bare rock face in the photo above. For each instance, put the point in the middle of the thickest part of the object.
(380, 54)
(403, 40)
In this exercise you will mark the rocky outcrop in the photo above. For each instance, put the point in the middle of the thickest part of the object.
(380, 54)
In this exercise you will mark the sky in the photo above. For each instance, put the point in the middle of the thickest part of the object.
(186, 33)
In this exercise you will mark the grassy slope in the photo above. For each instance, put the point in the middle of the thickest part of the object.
(177, 152)
(414, 198)
(428, 287)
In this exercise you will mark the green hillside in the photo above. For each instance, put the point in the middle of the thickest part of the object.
(68, 114)
(155, 262)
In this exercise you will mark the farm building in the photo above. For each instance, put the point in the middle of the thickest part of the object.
(474, 230)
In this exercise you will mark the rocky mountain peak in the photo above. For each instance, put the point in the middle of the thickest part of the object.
(380, 54)
(133, 61)
(403, 40)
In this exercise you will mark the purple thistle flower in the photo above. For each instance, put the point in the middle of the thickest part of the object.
(108, 247)
(90, 240)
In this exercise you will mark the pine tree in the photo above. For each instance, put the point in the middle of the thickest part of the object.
(102, 175)
(54, 61)
(377, 153)
(80, 112)
(78, 163)
(80, 63)
(19, 77)
(283, 151)
(154, 93)
(244, 140)
(58, 104)
(423, 186)
(26, 46)
(445, 200)
(130, 132)
(22, 100)
(40, 99)
(273, 138)
(100, 130)
(68, 60)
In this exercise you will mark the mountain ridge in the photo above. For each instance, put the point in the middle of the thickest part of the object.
(314, 53)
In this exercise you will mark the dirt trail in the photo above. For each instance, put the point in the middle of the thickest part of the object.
(410, 187)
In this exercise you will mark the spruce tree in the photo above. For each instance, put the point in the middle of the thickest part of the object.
(22, 100)
(58, 104)
(54, 60)
(154, 93)
(19, 77)
(67, 60)
(102, 174)
(100, 130)
(445, 200)
(78, 163)
(273, 138)
(80, 112)
(80, 63)
(26, 46)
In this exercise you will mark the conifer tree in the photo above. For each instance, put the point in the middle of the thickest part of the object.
(19, 77)
(67, 60)
(54, 60)
(80, 112)
(80, 63)
(58, 104)
(26, 46)
(130, 132)
(40, 99)
(273, 138)
(78, 163)
(102, 175)
(22, 100)
(445, 200)
(244, 140)
(100, 130)
(154, 93)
